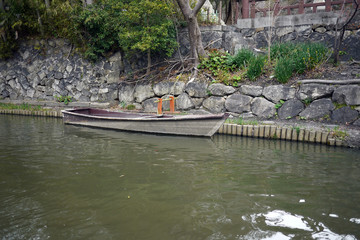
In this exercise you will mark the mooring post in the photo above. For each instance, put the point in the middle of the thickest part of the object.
(159, 107)
(172, 104)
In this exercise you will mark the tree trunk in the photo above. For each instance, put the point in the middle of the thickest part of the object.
(148, 61)
(339, 39)
(196, 46)
(220, 12)
(2, 5)
(40, 23)
(47, 4)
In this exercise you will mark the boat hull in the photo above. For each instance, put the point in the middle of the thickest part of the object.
(188, 125)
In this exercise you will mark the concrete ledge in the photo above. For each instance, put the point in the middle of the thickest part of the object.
(326, 18)
(47, 113)
(54, 104)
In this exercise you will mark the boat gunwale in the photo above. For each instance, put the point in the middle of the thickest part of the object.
(145, 117)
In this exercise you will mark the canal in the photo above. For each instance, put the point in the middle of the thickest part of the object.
(66, 182)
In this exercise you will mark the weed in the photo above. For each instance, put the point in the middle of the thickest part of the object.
(337, 133)
(275, 136)
(215, 63)
(130, 107)
(283, 69)
(255, 68)
(297, 129)
(122, 104)
(65, 99)
(241, 59)
(279, 104)
(307, 101)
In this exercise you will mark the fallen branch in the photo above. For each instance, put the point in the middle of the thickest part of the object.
(212, 42)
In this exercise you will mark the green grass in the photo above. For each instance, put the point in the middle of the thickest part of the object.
(241, 121)
(24, 106)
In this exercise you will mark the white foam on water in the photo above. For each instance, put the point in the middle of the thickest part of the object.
(280, 218)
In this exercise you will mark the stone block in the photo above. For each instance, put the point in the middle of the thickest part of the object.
(234, 129)
(214, 104)
(244, 130)
(238, 103)
(318, 136)
(272, 131)
(283, 133)
(278, 132)
(256, 131)
(289, 134)
(221, 129)
(324, 137)
(254, 91)
(239, 130)
(275, 93)
(218, 89)
(261, 131)
(267, 131)
(294, 134)
(290, 109)
(263, 108)
(331, 141)
(301, 136)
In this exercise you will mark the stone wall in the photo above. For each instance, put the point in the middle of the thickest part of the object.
(42, 70)
(328, 103)
(232, 39)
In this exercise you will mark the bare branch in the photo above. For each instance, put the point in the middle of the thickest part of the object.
(198, 6)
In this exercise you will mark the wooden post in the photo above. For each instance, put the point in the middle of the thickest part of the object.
(159, 106)
(236, 11)
(245, 9)
(277, 8)
(208, 15)
(172, 104)
(327, 5)
(253, 9)
(301, 7)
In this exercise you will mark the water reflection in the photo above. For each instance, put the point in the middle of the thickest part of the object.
(67, 182)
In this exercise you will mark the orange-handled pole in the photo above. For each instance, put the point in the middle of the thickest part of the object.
(172, 104)
(159, 107)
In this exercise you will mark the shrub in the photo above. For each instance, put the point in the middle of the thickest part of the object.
(296, 58)
(256, 65)
(283, 69)
(241, 59)
(281, 49)
(216, 63)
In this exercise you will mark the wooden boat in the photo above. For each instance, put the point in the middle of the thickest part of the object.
(188, 125)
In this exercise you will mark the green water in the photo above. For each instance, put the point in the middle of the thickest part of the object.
(65, 182)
